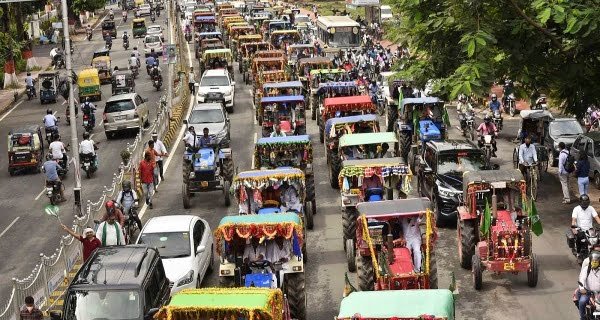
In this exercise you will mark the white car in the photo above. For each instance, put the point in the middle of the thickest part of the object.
(217, 80)
(185, 244)
(386, 13)
(143, 10)
(156, 29)
(153, 41)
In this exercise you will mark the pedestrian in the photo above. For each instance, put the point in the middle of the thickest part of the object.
(30, 311)
(582, 172)
(147, 177)
(153, 156)
(563, 174)
(88, 240)
(161, 152)
(192, 81)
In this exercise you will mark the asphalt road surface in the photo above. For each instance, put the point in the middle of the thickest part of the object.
(503, 296)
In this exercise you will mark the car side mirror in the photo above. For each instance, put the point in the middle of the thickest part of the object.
(55, 315)
(151, 313)
(201, 248)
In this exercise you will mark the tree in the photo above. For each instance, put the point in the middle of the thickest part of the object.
(549, 46)
(77, 6)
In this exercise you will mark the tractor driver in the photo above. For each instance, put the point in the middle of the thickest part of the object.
(205, 140)
(290, 199)
(255, 251)
(412, 235)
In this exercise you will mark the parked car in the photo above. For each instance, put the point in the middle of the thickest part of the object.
(589, 142)
(156, 29)
(561, 130)
(439, 175)
(117, 282)
(214, 117)
(153, 41)
(217, 80)
(185, 244)
(125, 112)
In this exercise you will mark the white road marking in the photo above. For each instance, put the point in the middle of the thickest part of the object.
(11, 110)
(39, 195)
(9, 226)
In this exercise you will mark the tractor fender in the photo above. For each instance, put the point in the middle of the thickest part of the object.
(225, 153)
(464, 214)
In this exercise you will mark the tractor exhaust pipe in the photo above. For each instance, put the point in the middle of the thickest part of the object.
(390, 245)
(494, 206)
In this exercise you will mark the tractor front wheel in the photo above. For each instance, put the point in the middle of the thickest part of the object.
(228, 169)
(334, 170)
(467, 238)
(226, 282)
(226, 193)
(532, 274)
(349, 216)
(296, 294)
(365, 273)
(308, 215)
(433, 270)
(477, 272)
(405, 143)
(310, 188)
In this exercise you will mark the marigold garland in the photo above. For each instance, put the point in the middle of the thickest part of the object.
(257, 230)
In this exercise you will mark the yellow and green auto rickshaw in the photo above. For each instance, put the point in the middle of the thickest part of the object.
(88, 82)
(102, 64)
(139, 27)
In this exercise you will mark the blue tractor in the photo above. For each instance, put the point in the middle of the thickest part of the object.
(207, 169)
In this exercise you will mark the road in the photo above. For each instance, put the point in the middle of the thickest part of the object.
(502, 297)
(25, 230)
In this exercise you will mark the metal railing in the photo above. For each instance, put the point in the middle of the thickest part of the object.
(52, 271)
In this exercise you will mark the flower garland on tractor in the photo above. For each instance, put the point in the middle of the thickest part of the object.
(381, 171)
(287, 230)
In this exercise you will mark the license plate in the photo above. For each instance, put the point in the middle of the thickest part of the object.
(509, 266)
(85, 122)
(118, 118)
(86, 165)
(204, 184)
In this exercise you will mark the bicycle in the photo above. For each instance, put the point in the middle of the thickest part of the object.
(531, 178)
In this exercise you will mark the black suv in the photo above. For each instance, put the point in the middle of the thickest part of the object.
(439, 175)
(127, 283)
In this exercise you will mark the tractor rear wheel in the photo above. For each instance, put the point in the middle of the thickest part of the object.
(433, 270)
(310, 188)
(532, 275)
(467, 238)
(477, 272)
(334, 170)
(185, 191)
(391, 116)
(228, 169)
(365, 273)
(405, 143)
(350, 255)
(308, 215)
(296, 294)
(226, 186)
(226, 282)
(349, 215)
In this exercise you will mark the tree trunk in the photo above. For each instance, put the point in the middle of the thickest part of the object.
(5, 22)
(18, 14)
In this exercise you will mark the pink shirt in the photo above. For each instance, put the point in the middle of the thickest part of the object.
(490, 128)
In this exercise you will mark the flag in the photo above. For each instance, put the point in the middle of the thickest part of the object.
(446, 117)
(348, 287)
(487, 219)
(534, 218)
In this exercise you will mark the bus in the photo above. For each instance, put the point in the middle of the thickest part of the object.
(338, 31)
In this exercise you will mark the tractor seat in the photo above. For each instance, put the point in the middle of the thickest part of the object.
(374, 194)
(286, 127)
(504, 222)
(403, 262)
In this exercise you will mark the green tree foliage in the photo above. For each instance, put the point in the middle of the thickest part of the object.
(550, 46)
(77, 6)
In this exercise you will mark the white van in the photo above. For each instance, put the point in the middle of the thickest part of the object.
(386, 13)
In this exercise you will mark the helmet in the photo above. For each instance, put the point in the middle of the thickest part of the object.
(49, 156)
(462, 98)
(126, 185)
(494, 97)
(584, 201)
(28, 73)
(134, 48)
(87, 99)
(116, 68)
(86, 135)
(49, 111)
(110, 207)
(487, 118)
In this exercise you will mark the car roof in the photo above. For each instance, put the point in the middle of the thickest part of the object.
(124, 96)
(154, 26)
(215, 72)
(169, 223)
(208, 106)
(453, 145)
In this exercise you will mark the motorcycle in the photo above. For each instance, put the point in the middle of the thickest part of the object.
(88, 124)
(582, 248)
(188, 36)
(134, 71)
(157, 82)
(89, 35)
(50, 133)
(59, 61)
(593, 305)
(64, 167)
(53, 192)
(112, 16)
(88, 164)
(152, 18)
(126, 44)
(488, 148)
(469, 125)
(497, 119)
(31, 91)
(108, 44)
(130, 226)
(510, 105)
(72, 49)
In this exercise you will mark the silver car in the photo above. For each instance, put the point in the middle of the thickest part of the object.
(125, 112)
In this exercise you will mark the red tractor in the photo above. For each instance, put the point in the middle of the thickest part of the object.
(503, 244)
(383, 259)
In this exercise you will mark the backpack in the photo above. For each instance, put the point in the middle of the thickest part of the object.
(569, 164)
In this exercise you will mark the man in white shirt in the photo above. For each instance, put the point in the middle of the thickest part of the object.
(279, 250)
(87, 146)
(255, 251)
(277, 132)
(110, 233)
(589, 282)
(563, 175)
(583, 217)
(192, 81)
(412, 235)
(50, 120)
(161, 152)
(290, 200)
(190, 138)
(57, 149)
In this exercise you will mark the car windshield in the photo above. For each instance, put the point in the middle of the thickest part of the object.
(119, 106)
(301, 19)
(139, 24)
(169, 244)
(214, 81)
(108, 25)
(565, 128)
(386, 11)
(152, 39)
(154, 30)
(206, 116)
(114, 304)
(459, 162)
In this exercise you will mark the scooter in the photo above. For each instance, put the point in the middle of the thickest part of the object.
(88, 124)
(126, 44)
(53, 192)
(582, 248)
(88, 164)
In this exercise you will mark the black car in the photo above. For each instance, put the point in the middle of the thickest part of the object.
(126, 282)
(439, 175)
(561, 130)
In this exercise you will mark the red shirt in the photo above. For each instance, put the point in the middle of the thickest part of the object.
(89, 246)
(147, 171)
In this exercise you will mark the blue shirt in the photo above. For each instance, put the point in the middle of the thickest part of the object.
(495, 105)
(51, 170)
(527, 154)
(583, 169)
(150, 60)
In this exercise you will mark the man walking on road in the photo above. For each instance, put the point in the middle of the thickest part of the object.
(161, 152)
(192, 81)
(147, 177)
(30, 311)
(563, 175)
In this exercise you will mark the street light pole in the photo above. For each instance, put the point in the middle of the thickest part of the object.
(72, 119)
(169, 65)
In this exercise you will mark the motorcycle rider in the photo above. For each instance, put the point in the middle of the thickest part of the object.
(29, 83)
(488, 128)
(127, 198)
(88, 30)
(51, 168)
(150, 62)
(125, 38)
(50, 121)
(463, 109)
(155, 55)
(111, 14)
(507, 90)
(87, 146)
(136, 53)
(108, 43)
(113, 210)
(89, 109)
(155, 73)
(589, 282)
(582, 218)
(55, 55)
(134, 61)
(58, 150)
(494, 104)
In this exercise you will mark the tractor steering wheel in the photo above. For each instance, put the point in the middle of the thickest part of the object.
(262, 264)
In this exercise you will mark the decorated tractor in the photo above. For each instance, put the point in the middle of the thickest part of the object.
(206, 169)
(432, 304)
(494, 230)
(274, 190)
(304, 66)
(331, 90)
(234, 303)
(292, 151)
(344, 107)
(286, 111)
(277, 241)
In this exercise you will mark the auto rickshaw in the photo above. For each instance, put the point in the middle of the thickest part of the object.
(139, 27)
(88, 82)
(286, 111)
(262, 78)
(25, 149)
(300, 50)
(104, 68)
(330, 90)
(109, 29)
(305, 65)
(282, 39)
(48, 82)
(122, 82)
(103, 52)
(344, 107)
(534, 124)
(217, 58)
